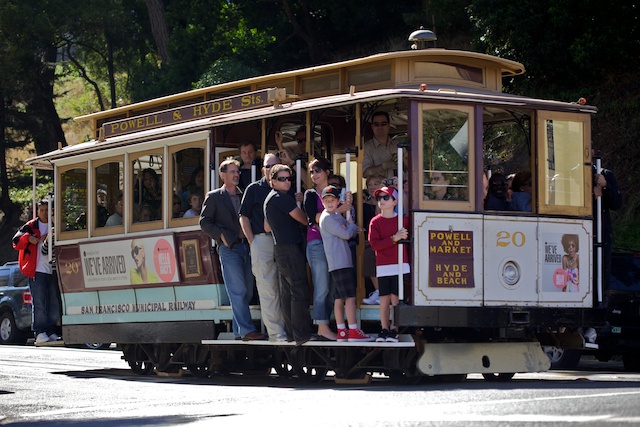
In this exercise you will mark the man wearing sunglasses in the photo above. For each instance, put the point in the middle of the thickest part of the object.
(380, 153)
(219, 220)
(284, 219)
(261, 246)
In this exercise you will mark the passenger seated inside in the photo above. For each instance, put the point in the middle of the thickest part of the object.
(497, 196)
(195, 203)
(116, 217)
(439, 189)
(151, 194)
(176, 211)
(102, 213)
(521, 195)
(146, 214)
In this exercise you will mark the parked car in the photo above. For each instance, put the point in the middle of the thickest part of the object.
(621, 335)
(15, 305)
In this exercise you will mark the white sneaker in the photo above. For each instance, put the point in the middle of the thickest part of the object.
(374, 298)
(42, 337)
(53, 337)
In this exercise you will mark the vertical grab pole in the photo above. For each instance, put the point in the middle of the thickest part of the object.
(348, 177)
(599, 235)
(50, 231)
(254, 168)
(400, 221)
(299, 159)
(298, 178)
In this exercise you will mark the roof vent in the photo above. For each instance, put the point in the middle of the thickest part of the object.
(421, 38)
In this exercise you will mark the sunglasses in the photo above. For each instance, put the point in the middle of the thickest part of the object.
(376, 124)
(315, 170)
(385, 197)
(283, 178)
(135, 250)
(269, 166)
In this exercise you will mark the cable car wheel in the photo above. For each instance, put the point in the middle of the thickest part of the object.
(281, 363)
(199, 362)
(400, 367)
(162, 355)
(308, 365)
(136, 359)
(346, 361)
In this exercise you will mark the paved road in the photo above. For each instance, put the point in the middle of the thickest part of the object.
(72, 387)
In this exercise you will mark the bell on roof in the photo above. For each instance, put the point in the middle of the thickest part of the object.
(421, 38)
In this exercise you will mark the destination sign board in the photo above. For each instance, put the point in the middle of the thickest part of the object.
(200, 110)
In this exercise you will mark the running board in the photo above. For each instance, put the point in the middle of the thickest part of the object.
(484, 358)
(227, 338)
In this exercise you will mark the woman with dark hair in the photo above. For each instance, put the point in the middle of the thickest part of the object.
(320, 170)
(151, 194)
(194, 186)
(497, 196)
(521, 196)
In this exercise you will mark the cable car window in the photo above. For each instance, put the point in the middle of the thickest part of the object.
(73, 209)
(109, 178)
(446, 136)
(147, 191)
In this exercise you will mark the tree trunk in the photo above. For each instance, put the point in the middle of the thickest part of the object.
(159, 28)
(47, 132)
(304, 31)
(4, 197)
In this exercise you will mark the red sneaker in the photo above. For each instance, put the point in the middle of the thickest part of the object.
(343, 335)
(356, 335)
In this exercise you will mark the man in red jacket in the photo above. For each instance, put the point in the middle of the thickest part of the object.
(31, 241)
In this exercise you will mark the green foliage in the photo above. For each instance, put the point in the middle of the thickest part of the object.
(225, 70)
(626, 236)
(24, 197)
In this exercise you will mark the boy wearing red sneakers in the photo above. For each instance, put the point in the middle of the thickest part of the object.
(336, 231)
(383, 237)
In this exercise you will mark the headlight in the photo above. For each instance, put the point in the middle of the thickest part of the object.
(510, 273)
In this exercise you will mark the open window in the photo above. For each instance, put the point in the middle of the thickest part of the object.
(71, 214)
(146, 201)
(108, 183)
(189, 182)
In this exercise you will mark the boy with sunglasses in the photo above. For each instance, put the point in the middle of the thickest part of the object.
(336, 231)
(384, 235)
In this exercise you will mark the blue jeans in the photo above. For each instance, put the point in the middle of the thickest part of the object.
(46, 307)
(238, 280)
(322, 295)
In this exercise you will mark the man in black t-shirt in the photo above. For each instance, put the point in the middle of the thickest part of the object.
(262, 250)
(283, 217)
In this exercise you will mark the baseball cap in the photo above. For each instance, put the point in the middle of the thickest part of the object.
(330, 190)
(386, 190)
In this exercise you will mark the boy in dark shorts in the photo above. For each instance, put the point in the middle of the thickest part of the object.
(336, 231)
(383, 237)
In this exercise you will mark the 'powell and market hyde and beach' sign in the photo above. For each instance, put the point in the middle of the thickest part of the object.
(201, 110)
